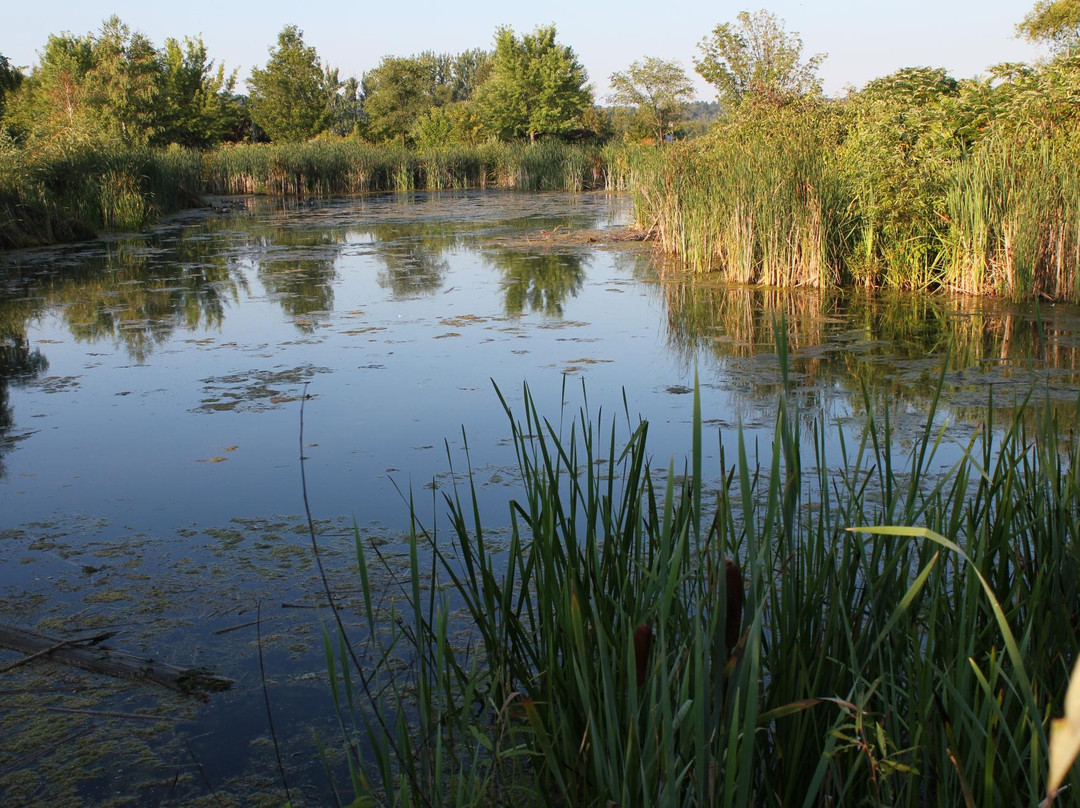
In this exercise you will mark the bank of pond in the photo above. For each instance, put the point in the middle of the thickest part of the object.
(788, 198)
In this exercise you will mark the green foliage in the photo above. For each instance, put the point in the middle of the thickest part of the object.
(657, 88)
(903, 665)
(340, 166)
(919, 181)
(123, 86)
(73, 190)
(292, 98)
(10, 79)
(756, 56)
(897, 160)
(115, 86)
(54, 98)
(196, 106)
(1054, 21)
(397, 93)
(536, 87)
(759, 200)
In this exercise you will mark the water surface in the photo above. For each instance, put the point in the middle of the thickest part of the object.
(150, 416)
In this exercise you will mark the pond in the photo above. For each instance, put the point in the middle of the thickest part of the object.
(150, 434)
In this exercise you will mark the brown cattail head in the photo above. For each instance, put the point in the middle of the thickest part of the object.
(642, 643)
(735, 595)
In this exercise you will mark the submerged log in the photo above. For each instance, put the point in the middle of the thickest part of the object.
(90, 653)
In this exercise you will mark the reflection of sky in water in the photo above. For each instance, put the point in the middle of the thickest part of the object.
(399, 312)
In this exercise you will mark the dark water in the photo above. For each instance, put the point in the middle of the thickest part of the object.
(150, 395)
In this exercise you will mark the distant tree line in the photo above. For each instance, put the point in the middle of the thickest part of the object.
(115, 85)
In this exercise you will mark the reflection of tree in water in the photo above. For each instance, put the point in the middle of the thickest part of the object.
(18, 365)
(411, 270)
(297, 267)
(134, 297)
(540, 282)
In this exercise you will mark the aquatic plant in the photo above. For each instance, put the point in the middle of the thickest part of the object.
(582, 657)
(72, 190)
(339, 166)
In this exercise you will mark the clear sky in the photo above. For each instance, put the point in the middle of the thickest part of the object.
(864, 39)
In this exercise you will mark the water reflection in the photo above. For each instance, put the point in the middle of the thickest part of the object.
(539, 282)
(885, 347)
(19, 364)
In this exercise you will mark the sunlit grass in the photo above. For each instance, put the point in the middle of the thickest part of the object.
(888, 667)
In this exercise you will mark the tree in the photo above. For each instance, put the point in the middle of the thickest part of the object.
(196, 108)
(292, 98)
(1056, 22)
(536, 87)
(348, 108)
(658, 88)
(124, 83)
(756, 56)
(10, 79)
(396, 94)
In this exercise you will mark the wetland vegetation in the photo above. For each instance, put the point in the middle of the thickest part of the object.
(527, 603)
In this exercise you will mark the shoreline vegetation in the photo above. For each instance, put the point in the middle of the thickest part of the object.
(916, 181)
(586, 657)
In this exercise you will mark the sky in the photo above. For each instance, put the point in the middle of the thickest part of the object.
(863, 39)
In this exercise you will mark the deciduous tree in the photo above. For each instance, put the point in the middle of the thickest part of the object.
(10, 79)
(197, 107)
(396, 94)
(124, 84)
(756, 55)
(1054, 21)
(536, 87)
(292, 98)
(659, 90)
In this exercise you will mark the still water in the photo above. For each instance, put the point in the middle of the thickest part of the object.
(150, 431)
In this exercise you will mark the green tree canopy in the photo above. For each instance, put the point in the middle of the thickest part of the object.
(396, 94)
(196, 106)
(1054, 21)
(124, 83)
(293, 97)
(10, 79)
(756, 56)
(659, 90)
(536, 87)
(53, 97)
(116, 85)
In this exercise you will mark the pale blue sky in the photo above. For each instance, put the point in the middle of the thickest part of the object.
(863, 39)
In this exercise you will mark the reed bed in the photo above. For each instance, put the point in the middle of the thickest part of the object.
(336, 166)
(1014, 221)
(584, 657)
(70, 191)
(780, 200)
(756, 201)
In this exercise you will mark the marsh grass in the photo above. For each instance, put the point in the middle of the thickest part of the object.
(870, 669)
(784, 200)
(336, 166)
(70, 191)
(757, 201)
(1014, 215)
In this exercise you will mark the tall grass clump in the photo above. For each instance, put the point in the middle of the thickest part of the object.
(758, 201)
(1014, 220)
(584, 656)
(338, 166)
(71, 189)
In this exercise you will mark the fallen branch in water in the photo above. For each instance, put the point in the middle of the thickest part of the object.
(90, 654)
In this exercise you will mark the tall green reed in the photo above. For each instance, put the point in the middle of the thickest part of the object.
(870, 668)
(336, 166)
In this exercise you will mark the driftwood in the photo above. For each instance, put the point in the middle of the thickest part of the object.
(90, 653)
